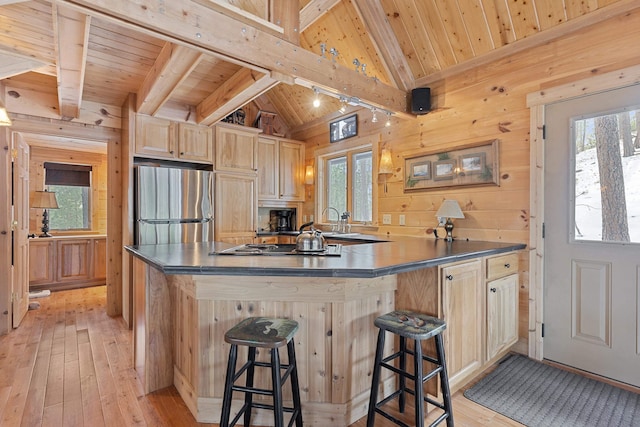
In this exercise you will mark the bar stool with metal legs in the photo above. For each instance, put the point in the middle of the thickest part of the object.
(418, 327)
(262, 332)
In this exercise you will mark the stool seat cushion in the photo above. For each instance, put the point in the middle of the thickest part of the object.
(265, 332)
(411, 325)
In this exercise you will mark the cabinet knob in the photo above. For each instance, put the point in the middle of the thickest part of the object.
(171, 152)
(493, 290)
(182, 153)
(507, 265)
(449, 277)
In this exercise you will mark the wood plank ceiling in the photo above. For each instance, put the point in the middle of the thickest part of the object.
(77, 54)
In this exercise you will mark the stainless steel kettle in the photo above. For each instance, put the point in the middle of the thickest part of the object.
(310, 241)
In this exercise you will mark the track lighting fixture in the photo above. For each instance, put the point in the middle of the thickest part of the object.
(388, 122)
(343, 105)
(374, 116)
(316, 100)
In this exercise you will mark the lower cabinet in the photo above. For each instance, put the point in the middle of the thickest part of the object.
(66, 263)
(463, 311)
(478, 300)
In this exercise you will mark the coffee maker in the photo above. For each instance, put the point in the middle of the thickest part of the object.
(282, 219)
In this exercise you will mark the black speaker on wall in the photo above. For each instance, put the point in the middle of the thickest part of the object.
(421, 100)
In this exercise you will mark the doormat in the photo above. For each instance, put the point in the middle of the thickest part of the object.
(539, 395)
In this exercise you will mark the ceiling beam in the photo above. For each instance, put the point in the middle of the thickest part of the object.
(313, 11)
(206, 28)
(172, 66)
(375, 20)
(241, 88)
(71, 38)
(12, 64)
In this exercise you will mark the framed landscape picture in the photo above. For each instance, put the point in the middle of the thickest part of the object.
(472, 164)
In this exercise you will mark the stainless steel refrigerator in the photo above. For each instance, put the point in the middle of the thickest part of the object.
(173, 205)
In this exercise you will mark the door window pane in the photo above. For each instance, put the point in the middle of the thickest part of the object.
(606, 177)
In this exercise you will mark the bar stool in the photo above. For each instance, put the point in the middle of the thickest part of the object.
(262, 332)
(418, 327)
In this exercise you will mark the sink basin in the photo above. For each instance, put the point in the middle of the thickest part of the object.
(338, 234)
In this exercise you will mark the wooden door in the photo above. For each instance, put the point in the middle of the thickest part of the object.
(592, 249)
(268, 169)
(463, 312)
(236, 149)
(155, 137)
(236, 208)
(195, 143)
(20, 290)
(291, 170)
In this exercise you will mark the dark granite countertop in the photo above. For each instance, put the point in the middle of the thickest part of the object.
(402, 254)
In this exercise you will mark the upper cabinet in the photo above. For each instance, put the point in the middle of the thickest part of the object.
(159, 138)
(236, 148)
(280, 170)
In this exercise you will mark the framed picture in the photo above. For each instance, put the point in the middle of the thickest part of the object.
(472, 163)
(444, 170)
(420, 169)
(466, 165)
(344, 128)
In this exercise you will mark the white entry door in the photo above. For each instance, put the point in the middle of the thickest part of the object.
(592, 234)
(20, 287)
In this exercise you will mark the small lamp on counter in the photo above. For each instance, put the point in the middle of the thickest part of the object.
(449, 209)
(44, 200)
(386, 165)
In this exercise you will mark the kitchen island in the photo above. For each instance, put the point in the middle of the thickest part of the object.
(185, 299)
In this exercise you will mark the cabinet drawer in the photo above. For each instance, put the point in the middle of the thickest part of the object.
(501, 266)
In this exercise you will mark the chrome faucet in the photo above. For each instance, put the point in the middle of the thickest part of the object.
(334, 226)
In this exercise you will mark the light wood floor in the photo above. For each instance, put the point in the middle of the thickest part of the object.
(69, 364)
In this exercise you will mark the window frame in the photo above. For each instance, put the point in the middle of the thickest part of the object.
(89, 190)
(346, 149)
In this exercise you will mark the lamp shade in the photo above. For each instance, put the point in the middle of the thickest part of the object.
(386, 164)
(4, 116)
(308, 175)
(44, 200)
(450, 209)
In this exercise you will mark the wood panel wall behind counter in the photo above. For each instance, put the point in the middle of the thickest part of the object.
(98, 162)
(484, 103)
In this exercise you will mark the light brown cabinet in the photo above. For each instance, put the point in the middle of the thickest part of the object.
(67, 263)
(463, 311)
(502, 304)
(280, 169)
(236, 149)
(236, 208)
(159, 138)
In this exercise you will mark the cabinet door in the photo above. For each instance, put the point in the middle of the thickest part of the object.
(236, 208)
(235, 150)
(502, 314)
(155, 137)
(195, 143)
(74, 260)
(463, 308)
(100, 258)
(41, 262)
(268, 169)
(291, 165)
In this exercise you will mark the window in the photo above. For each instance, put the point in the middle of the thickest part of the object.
(72, 185)
(349, 185)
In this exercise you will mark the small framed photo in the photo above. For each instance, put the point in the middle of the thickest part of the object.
(471, 164)
(421, 170)
(444, 170)
(344, 128)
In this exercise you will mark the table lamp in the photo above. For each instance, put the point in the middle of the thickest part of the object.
(44, 200)
(449, 209)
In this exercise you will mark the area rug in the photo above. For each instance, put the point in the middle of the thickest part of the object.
(539, 395)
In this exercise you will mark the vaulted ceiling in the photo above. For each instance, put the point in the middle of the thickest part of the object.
(199, 60)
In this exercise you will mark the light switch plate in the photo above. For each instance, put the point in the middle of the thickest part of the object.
(401, 220)
(386, 219)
